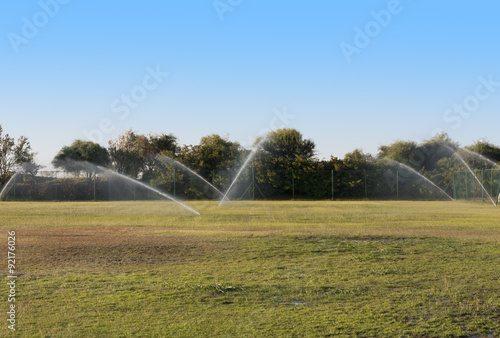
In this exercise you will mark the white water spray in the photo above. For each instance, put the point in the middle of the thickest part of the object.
(10, 183)
(249, 158)
(166, 159)
(420, 175)
(477, 155)
(159, 192)
(475, 177)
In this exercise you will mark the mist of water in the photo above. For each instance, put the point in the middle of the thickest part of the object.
(455, 153)
(166, 159)
(157, 191)
(248, 159)
(420, 175)
(481, 157)
(475, 176)
(8, 186)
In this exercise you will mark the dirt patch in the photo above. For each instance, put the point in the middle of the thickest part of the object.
(111, 246)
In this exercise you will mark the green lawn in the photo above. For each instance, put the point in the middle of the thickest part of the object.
(414, 269)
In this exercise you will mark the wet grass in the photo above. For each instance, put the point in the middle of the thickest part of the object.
(414, 269)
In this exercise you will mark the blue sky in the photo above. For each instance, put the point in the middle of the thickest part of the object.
(236, 69)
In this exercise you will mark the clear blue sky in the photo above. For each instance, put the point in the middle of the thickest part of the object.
(64, 70)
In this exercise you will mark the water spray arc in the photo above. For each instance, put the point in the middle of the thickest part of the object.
(457, 155)
(159, 192)
(481, 157)
(248, 159)
(404, 166)
(10, 183)
(166, 160)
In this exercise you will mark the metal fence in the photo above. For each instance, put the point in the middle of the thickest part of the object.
(382, 184)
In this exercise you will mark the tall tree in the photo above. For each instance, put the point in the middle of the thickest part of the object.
(433, 150)
(288, 144)
(213, 153)
(13, 154)
(127, 152)
(401, 151)
(357, 160)
(486, 149)
(167, 143)
(72, 158)
(133, 154)
(422, 156)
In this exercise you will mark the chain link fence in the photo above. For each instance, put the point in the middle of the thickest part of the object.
(383, 184)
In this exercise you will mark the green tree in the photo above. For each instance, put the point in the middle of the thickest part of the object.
(288, 144)
(161, 143)
(486, 149)
(72, 158)
(213, 153)
(421, 157)
(13, 154)
(284, 164)
(127, 153)
(431, 151)
(133, 154)
(400, 151)
(357, 160)
(213, 157)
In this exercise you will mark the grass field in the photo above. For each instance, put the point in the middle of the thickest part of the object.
(414, 269)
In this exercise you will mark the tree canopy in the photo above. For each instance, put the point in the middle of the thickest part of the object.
(284, 162)
(132, 154)
(71, 157)
(401, 151)
(288, 144)
(423, 156)
(213, 153)
(486, 149)
(13, 154)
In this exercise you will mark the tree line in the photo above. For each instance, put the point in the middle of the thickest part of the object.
(284, 162)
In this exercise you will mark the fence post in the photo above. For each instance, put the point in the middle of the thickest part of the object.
(95, 178)
(253, 184)
(454, 188)
(466, 186)
(366, 188)
(498, 193)
(491, 181)
(174, 181)
(333, 185)
(212, 181)
(293, 186)
(482, 183)
(397, 184)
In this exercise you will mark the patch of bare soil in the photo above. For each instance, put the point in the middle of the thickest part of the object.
(110, 246)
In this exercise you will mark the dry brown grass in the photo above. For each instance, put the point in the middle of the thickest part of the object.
(112, 248)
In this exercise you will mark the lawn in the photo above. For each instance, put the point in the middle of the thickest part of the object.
(391, 268)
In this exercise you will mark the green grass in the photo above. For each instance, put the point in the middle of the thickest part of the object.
(414, 269)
